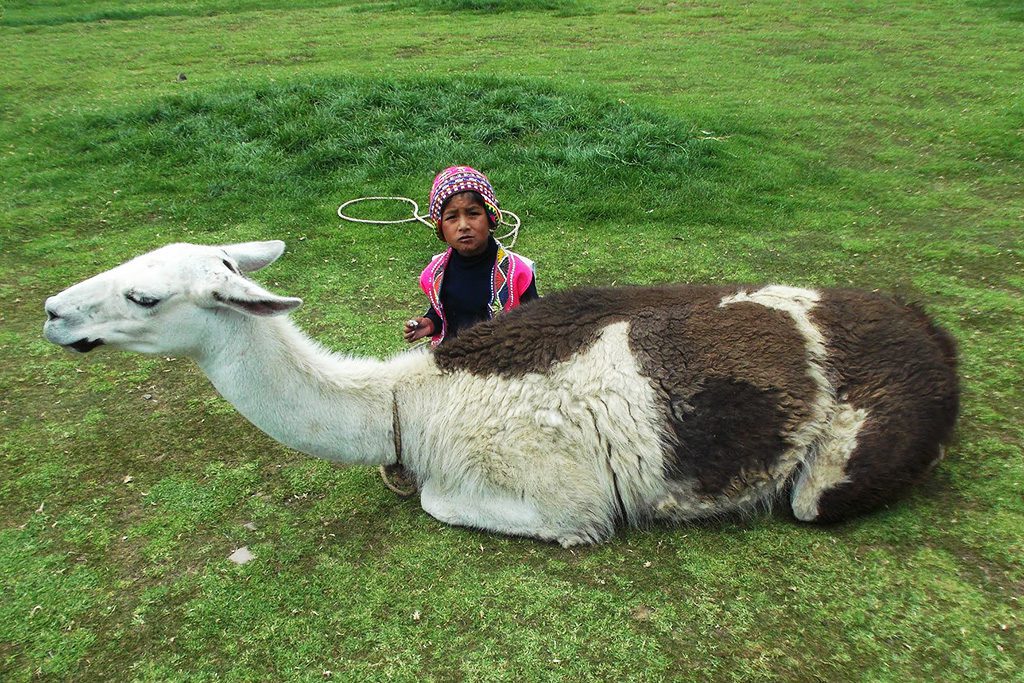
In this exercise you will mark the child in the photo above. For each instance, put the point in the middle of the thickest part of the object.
(473, 280)
(476, 277)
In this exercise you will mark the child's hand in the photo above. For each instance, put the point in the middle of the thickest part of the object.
(418, 328)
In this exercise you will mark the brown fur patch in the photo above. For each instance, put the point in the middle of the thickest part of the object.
(536, 335)
(728, 434)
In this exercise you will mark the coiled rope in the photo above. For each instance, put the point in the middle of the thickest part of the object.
(508, 239)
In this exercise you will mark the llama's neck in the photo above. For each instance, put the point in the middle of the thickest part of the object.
(307, 398)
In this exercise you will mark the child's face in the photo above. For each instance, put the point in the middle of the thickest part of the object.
(464, 224)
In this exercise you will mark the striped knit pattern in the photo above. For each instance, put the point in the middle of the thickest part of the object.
(456, 179)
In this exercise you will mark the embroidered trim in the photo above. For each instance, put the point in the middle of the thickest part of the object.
(436, 278)
(502, 294)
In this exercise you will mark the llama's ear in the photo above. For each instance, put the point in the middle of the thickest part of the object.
(247, 297)
(252, 256)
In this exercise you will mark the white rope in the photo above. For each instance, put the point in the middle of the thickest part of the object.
(508, 239)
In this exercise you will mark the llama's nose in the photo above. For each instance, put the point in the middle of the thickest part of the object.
(51, 309)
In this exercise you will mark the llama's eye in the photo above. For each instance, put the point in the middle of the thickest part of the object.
(230, 266)
(142, 299)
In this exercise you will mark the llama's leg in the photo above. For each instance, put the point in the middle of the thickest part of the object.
(504, 514)
(864, 460)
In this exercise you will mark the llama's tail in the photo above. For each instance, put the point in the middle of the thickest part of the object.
(947, 346)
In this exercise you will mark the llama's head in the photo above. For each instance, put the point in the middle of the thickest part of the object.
(166, 301)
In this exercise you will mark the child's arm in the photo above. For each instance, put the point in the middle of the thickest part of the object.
(417, 328)
(433, 317)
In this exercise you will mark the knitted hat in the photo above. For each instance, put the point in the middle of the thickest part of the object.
(456, 179)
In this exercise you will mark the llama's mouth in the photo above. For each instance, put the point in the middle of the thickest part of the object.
(85, 345)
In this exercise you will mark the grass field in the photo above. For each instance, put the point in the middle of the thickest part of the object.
(873, 144)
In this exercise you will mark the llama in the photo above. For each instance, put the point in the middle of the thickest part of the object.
(578, 413)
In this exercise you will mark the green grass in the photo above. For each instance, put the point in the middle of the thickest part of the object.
(870, 144)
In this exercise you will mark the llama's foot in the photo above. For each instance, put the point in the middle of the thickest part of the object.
(859, 466)
(503, 514)
(584, 537)
(827, 470)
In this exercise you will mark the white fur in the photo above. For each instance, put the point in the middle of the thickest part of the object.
(549, 443)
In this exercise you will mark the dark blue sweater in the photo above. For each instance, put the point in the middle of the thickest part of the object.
(466, 290)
